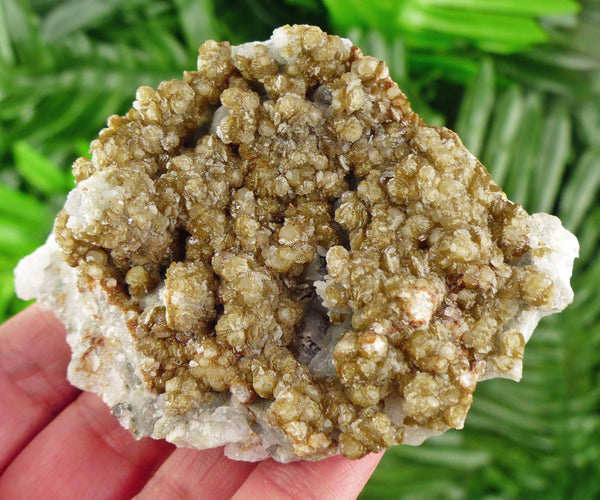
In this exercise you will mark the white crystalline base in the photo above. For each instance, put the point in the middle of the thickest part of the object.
(111, 368)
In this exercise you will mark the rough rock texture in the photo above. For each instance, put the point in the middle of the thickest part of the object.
(275, 254)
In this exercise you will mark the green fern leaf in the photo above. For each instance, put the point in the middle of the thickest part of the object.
(476, 108)
(581, 189)
(38, 171)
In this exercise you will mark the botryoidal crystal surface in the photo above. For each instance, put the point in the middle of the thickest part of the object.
(277, 255)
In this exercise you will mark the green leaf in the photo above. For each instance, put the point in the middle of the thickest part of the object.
(451, 456)
(588, 119)
(552, 159)
(373, 16)
(38, 170)
(586, 37)
(76, 117)
(525, 151)
(7, 56)
(508, 32)
(501, 26)
(7, 290)
(512, 7)
(546, 78)
(564, 59)
(453, 68)
(505, 126)
(7, 263)
(476, 108)
(581, 190)
(197, 21)
(17, 240)
(82, 148)
(22, 30)
(588, 266)
(20, 206)
(73, 15)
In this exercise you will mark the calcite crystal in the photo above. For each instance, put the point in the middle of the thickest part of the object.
(275, 254)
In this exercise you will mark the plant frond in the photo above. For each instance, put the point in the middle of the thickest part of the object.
(581, 189)
(497, 26)
(476, 108)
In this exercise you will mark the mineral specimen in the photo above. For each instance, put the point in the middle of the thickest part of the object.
(275, 254)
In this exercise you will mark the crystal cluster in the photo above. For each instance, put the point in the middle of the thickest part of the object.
(275, 254)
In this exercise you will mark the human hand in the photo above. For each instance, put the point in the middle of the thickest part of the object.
(58, 442)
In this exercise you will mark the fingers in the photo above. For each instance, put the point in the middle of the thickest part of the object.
(197, 474)
(33, 384)
(332, 478)
(83, 453)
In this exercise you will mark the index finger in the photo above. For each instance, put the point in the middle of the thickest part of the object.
(335, 478)
(33, 385)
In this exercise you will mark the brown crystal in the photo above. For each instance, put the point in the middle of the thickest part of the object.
(322, 154)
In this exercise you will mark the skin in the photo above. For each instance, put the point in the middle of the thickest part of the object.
(61, 443)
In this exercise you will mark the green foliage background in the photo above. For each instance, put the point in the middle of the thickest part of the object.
(518, 79)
